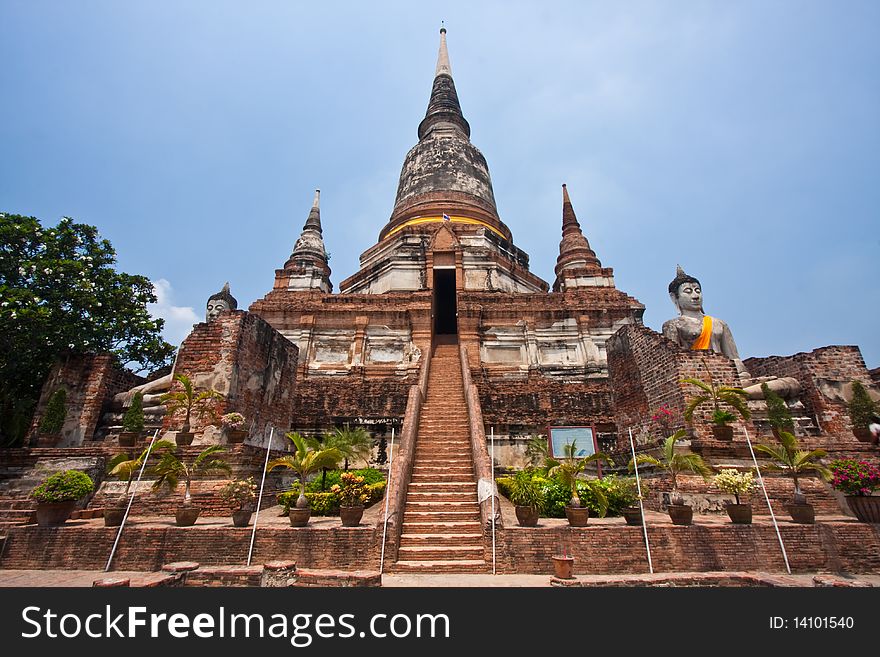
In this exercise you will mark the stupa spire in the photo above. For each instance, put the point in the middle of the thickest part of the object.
(314, 220)
(307, 267)
(443, 107)
(443, 67)
(576, 258)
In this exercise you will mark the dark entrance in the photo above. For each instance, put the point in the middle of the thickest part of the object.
(445, 322)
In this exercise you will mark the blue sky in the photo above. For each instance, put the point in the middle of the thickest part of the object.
(741, 140)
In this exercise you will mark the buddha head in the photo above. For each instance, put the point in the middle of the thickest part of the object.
(685, 292)
(219, 302)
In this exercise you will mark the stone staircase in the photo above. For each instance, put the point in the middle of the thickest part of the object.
(441, 531)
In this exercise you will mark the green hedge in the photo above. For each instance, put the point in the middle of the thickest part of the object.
(620, 492)
(327, 504)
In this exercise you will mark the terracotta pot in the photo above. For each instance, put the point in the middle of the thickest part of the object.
(632, 515)
(53, 514)
(128, 438)
(299, 517)
(803, 514)
(863, 434)
(351, 515)
(577, 515)
(563, 567)
(187, 514)
(527, 516)
(722, 433)
(113, 515)
(235, 436)
(740, 514)
(866, 508)
(242, 517)
(681, 514)
(184, 437)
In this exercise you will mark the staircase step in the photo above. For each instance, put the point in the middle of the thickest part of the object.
(440, 539)
(442, 552)
(442, 496)
(464, 566)
(443, 527)
(437, 477)
(439, 516)
(440, 486)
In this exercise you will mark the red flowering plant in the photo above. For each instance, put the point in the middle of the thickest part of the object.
(853, 477)
(664, 418)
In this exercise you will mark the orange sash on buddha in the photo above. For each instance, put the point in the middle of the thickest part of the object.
(705, 338)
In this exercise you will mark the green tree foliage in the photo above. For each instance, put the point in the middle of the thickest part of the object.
(861, 408)
(59, 294)
(133, 420)
(56, 412)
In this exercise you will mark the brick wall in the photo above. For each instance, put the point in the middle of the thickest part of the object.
(90, 380)
(252, 365)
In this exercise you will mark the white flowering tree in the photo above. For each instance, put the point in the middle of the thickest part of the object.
(60, 293)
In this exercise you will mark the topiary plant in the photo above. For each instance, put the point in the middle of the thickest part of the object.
(861, 407)
(56, 412)
(133, 420)
(65, 486)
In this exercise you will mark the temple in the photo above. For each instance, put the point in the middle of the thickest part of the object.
(444, 339)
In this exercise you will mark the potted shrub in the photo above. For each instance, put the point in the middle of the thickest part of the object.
(568, 470)
(233, 427)
(351, 491)
(240, 495)
(123, 467)
(171, 468)
(627, 494)
(778, 413)
(717, 396)
(861, 412)
(190, 401)
(794, 462)
(53, 418)
(132, 422)
(674, 464)
(857, 480)
(736, 483)
(528, 496)
(57, 495)
(305, 461)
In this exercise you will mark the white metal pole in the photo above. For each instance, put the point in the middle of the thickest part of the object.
(492, 459)
(130, 500)
(767, 498)
(641, 502)
(387, 497)
(260, 498)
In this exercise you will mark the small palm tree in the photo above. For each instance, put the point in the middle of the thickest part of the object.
(718, 396)
(537, 451)
(190, 401)
(171, 468)
(305, 461)
(123, 467)
(793, 461)
(353, 443)
(570, 467)
(674, 463)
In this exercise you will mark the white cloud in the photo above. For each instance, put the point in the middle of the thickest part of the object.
(179, 320)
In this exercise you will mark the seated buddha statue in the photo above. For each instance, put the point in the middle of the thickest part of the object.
(693, 329)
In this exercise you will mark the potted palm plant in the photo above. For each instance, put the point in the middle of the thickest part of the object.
(717, 396)
(528, 496)
(123, 467)
(132, 422)
(736, 483)
(190, 401)
(778, 413)
(674, 464)
(568, 470)
(861, 412)
(240, 495)
(857, 480)
(306, 460)
(794, 462)
(57, 495)
(628, 500)
(171, 468)
(351, 491)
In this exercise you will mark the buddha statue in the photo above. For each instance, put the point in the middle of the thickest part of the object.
(693, 329)
(153, 390)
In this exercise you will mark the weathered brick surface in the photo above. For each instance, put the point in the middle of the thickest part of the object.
(252, 365)
(598, 549)
(90, 380)
(149, 548)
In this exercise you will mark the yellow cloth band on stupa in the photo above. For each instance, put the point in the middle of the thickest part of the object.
(705, 338)
(456, 220)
